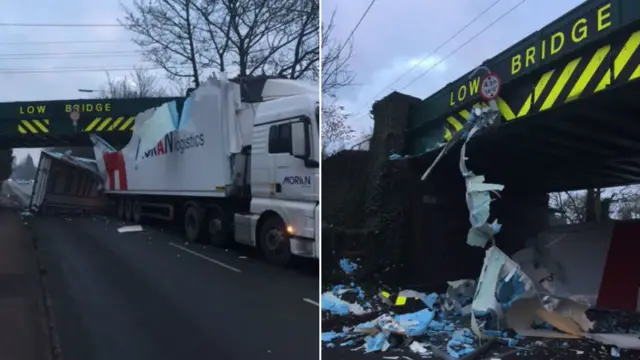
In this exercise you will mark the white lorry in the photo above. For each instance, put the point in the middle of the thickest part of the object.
(237, 161)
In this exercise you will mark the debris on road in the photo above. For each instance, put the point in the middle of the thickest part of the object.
(503, 310)
(332, 302)
(131, 228)
(615, 352)
(539, 292)
(348, 266)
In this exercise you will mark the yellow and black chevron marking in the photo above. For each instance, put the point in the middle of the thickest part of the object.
(457, 120)
(34, 126)
(121, 123)
(398, 300)
(582, 76)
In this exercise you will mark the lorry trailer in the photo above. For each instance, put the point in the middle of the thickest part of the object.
(237, 161)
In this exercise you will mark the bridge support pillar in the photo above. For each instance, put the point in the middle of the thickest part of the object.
(391, 186)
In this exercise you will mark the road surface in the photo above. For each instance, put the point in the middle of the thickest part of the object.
(21, 191)
(146, 295)
(23, 324)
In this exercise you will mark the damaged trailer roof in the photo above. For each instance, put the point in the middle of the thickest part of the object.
(82, 163)
(579, 145)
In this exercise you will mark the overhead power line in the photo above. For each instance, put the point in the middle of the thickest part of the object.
(490, 25)
(56, 70)
(74, 57)
(57, 25)
(70, 42)
(110, 56)
(433, 66)
(119, 52)
(433, 52)
(355, 28)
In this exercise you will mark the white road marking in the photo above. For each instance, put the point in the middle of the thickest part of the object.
(310, 301)
(219, 263)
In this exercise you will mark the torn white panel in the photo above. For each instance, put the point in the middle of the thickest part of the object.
(520, 306)
(552, 262)
(484, 301)
(497, 267)
(454, 284)
(478, 201)
(153, 124)
(459, 296)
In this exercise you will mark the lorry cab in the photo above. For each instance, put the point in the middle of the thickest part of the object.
(284, 168)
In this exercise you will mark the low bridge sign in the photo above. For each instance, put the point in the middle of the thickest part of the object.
(55, 117)
(592, 48)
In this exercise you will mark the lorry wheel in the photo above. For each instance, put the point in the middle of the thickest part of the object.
(128, 210)
(137, 212)
(218, 229)
(120, 205)
(193, 224)
(275, 242)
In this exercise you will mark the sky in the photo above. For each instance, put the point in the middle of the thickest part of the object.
(397, 35)
(55, 53)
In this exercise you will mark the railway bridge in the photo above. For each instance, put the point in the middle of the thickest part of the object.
(37, 124)
(570, 105)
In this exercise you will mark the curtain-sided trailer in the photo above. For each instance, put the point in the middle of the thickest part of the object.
(237, 161)
(66, 183)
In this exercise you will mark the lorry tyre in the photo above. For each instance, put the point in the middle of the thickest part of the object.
(193, 224)
(274, 241)
(120, 206)
(137, 211)
(128, 210)
(218, 227)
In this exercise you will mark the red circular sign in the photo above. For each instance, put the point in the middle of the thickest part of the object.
(490, 86)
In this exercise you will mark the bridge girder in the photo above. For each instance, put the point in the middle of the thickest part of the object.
(49, 123)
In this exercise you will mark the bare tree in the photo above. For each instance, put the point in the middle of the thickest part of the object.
(295, 47)
(335, 131)
(572, 205)
(273, 37)
(166, 31)
(336, 56)
(141, 83)
(252, 37)
(180, 86)
(335, 75)
(598, 204)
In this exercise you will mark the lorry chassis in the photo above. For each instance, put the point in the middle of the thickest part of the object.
(208, 221)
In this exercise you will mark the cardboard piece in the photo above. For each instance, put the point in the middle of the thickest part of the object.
(564, 314)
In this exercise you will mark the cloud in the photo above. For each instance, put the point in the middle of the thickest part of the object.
(395, 35)
(397, 76)
(17, 42)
